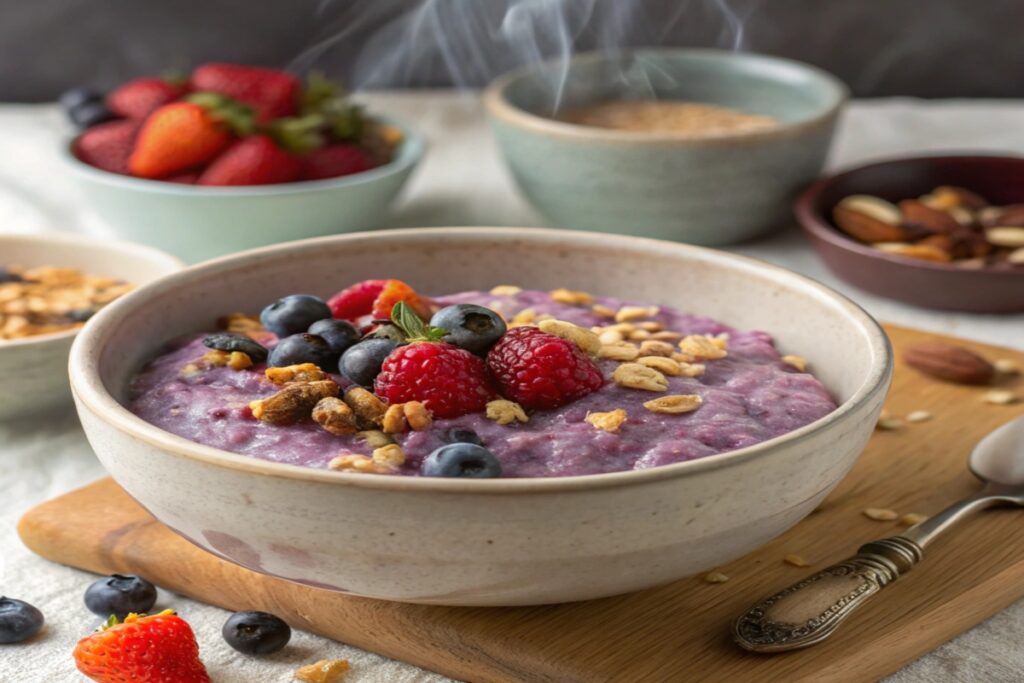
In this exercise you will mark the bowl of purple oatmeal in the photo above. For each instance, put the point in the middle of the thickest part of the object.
(585, 507)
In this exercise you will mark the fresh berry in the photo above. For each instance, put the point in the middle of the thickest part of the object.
(539, 370)
(448, 380)
(356, 301)
(302, 348)
(187, 178)
(332, 161)
(120, 595)
(256, 633)
(89, 114)
(229, 341)
(108, 146)
(271, 93)
(142, 649)
(384, 330)
(393, 292)
(362, 362)
(460, 435)
(255, 160)
(293, 314)
(70, 99)
(139, 98)
(464, 460)
(18, 620)
(177, 137)
(339, 334)
(471, 327)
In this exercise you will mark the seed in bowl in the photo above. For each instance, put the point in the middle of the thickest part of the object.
(692, 119)
(48, 299)
(459, 392)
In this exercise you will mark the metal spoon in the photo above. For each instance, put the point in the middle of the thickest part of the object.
(808, 612)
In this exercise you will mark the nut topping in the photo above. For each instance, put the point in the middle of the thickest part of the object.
(609, 422)
(620, 351)
(335, 416)
(358, 463)
(304, 372)
(653, 347)
(700, 346)
(636, 376)
(665, 366)
(630, 313)
(506, 412)
(676, 404)
(390, 455)
(571, 297)
(292, 403)
(797, 362)
(367, 407)
(586, 340)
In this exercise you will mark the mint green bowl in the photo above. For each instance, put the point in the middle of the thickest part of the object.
(200, 223)
(705, 190)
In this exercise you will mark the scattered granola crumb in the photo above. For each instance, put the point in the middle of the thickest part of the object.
(912, 518)
(506, 412)
(609, 422)
(215, 358)
(999, 397)
(796, 561)
(881, 514)
(358, 463)
(292, 403)
(239, 360)
(919, 416)
(304, 372)
(393, 421)
(390, 455)
(367, 407)
(797, 362)
(650, 326)
(667, 335)
(602, 310)
(620, 351)
(665, 366)
(691, 369)
(630, 313)
(324, 671)
(335, 416)
(715, 577)
(636, 376)
(375, 438)
(506, 290)
(417, 415)
(639, 335)
(675, 405)
(653, 347)
(527, 316)
(610, 337)
(1006, 366)
(586, 340)
(571, 297)
(700, 346)
(240, 323)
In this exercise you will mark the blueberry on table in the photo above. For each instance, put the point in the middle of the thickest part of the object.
(18, 620)
(471, 327)
(463, 460)
(229, 341)
(256, 633)
(89, 114)
(361, 363)
(459, 435)
(302, 348)
(339, 334)
(294, 314)
(75, 97)
(120, 595)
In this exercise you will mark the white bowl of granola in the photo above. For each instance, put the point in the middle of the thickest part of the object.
(49, 286)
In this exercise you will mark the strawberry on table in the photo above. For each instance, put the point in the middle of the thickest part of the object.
(333, 161)
(270, 92)
(256, 160)
(143, 649)
(108, 145)
(139, 98)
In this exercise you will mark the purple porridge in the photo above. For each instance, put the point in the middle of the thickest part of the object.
(748, 396)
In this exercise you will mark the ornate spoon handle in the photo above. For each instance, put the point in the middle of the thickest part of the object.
(809, 611)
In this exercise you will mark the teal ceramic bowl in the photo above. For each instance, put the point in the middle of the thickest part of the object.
(710, 190)
(199, 223)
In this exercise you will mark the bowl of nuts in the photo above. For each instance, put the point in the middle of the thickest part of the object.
(50, 285)
(943, 232)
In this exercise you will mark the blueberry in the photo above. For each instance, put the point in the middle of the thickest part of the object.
(256, 633)
(387, 330)
(465, 460)
(8, 276)
(89, 114)
(303, 348)
(339, 334)
(120, 595)
(229, 341)
(459, 435)
(18, 620)
(293, 314)
(79, 96)
(362, 362)
(474, 328)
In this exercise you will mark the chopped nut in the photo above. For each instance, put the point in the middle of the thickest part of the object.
(919, 416)
(715, 577)
(367, 407)
(636, 376)
(527, 316)
(999, 397)
(506, 290)
(375, 438)
(324, 671)
(881, 514)
(610, 337)
(609, 422)
(665, 366)
(912, 518)
(239, 360)
(417, 415)
(586, 340)
(390, 455)
(505, 412)
(571, 297)
(796, 561)
(701, 346)
(335, 416)
(304, 372)
(292, 403)
(619, 351)
(602, 310)
(797, 362)
(358, 463)
(216, 359)
(656, 348)
(1006, 366)
(393, 421)
(629, 313)
(675, 404)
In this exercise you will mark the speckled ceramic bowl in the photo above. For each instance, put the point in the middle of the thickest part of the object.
(499, 541)
(33, 370)
(711, 190)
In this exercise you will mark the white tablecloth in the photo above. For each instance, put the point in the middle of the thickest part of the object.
(461, 182)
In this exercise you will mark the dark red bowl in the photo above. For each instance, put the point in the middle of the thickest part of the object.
(923, 283)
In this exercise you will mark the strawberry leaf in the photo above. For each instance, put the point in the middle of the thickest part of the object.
(412, 326)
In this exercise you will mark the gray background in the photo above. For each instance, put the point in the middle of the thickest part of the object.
(929, 48)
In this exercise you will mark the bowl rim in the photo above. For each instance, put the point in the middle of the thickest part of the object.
(816, 225)
(498, 106)
(91, 394)
(45, 239)
(411, 151)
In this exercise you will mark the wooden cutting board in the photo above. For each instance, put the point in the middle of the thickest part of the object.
(676, 633)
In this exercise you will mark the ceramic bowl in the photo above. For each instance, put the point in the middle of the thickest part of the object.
(34, 369)
(710, 190)
(484, 542)
(946, 286)
(199, 223)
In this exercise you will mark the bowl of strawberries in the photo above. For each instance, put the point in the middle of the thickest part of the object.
(234, 157)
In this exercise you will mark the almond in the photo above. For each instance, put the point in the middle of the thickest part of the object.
(1006, 236)
(924, 252)
(919, 214)
(947, 197)
(1012, 215)
(869, 219)
(948, 362)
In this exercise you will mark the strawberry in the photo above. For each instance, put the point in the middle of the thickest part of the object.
(395, 291)
(139, 98)
(271, 93)
(107, 145)
(156, 649)
(181, 135)
(256, 160)
(335, 160)
(356, 301)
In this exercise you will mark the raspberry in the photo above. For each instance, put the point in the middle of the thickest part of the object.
(541, 371)
(448, 380)
(357, 300)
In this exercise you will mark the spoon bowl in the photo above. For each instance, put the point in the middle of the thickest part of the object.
(999, 457)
